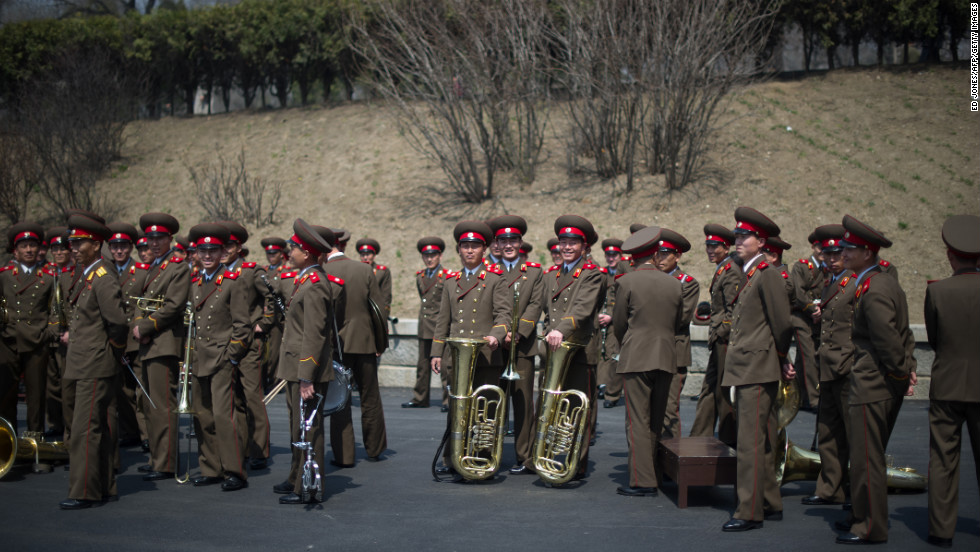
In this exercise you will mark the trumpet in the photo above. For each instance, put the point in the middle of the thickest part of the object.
(562, 418)
(184, 397)
(510, 374)
(153, 304)
(477, 417)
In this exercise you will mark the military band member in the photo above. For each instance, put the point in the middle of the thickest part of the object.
(835, 357)
(132, 422)
(715, 401)
(307, 346)
(526, 279)
(952, 315)
(555, 251)
(880, 377)
(275, 250)
(61, 259)
(368, 249)
(275, 253)
(143, 250)
(249, 369)
(807, 277)
(360, 356)
(672, 247)
(181, 245)
(221, 302)
(573, 297)
(649, 313)
(429, 283)
(26, 287)
(96, 339)
(161, 334)
(476, 303)
(756, 359)
(610, 383)
(526, 248)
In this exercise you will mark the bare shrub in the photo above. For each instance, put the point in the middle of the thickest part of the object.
(226, 191)
(18, 177)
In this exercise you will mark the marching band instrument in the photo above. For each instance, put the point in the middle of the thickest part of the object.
(379, 323)
(311, 470)
(338, 392)
(184, 396)
(58, 308)
(477, 416)
(562, 418)
(510, 374)
(4, 317)
(29, 446)
(278, 301)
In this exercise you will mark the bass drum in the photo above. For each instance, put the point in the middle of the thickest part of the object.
(338, 391)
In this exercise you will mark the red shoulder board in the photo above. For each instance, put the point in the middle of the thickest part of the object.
(864, 288)
(249, 265)
(553, 267)
(604, 270)
(589, 266)
(763, 265)
(287, 275)
(728, 266)
(785, 275)
(419, 272)
(382, 267)
(195, 279)
(884, 264)
(535, 265)
(688, 279)
(176, 259)
(314, 277)
(620, 275)
(47, 271)
(67, 269)
(231, 274)
(844, 281)
(336, 280)
(142, 266)
(807, 263)
(495, 269)
(9, 267)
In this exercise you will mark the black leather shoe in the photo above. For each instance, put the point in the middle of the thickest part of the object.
(145, 468)
(520, 469)
(772, 515)
(206, 480)
(294, 498)
(940, 542)
(851, 538)
(413, 404)
(233, 483)
(637, 491)
(258, 463)
(444, 409)
(816, 500)
(735, 525)
(157, 476)
(75, 504)
(286, 487)
(340, 465)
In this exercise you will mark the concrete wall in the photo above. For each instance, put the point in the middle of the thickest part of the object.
(398, 363)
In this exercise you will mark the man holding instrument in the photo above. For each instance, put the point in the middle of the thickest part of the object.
(429, 282)
(526, 283)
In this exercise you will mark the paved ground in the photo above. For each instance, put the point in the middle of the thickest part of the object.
(395, 504)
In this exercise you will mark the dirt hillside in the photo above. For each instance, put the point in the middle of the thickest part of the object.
(898, 149)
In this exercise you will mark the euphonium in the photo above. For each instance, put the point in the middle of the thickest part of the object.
(562, 418)
(184, 396)
(30, 446)
(793, 463)
(477, 417)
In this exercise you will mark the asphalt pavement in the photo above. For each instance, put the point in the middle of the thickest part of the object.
(395, 504)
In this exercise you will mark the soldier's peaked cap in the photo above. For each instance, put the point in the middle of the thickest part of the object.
(961, 233)
(308, 238)
(574, 226)
(209, 235)
(431, 244)
(368, 244)
(859, 234)
(83, 227)
(472, 230)
(122, 232)
(238, 232)
(670, 240)
(508, 226)
(716, 234)
(157, 224)
(643, 243)
(829, 236)
(751, 221)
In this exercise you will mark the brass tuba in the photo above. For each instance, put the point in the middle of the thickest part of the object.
(562, 419)
(793, 463)
(477, 417)
(27, 447)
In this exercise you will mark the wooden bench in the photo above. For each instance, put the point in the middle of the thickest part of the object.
(694, 461)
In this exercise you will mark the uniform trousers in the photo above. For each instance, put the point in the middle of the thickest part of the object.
(221, 438)
(521, 394)
(646, 400)
(56, 369)
(946, 419)
(423, 376)
(715, 402)
(364, 370)
(250, 406)
(833, 429)
(92, 446)
(756, 486)
(126, 405)
(871, 427)
(33, 365)
(297, 411)
(606, 375)
(806, 360)
(160, 379)
(672, 417)
(270, 362)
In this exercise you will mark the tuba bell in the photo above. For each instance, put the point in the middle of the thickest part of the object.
(28, 447)
(562, 418)
(477, 417)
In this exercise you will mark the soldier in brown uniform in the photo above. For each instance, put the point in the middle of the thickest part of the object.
(554, 251)
(143, 250)
(26, 287)
(672, 247)
(649, 313)
(610, 383)
(221, 303)
(807, 278)
(368, 249)
(758, 344)
(573, 297)
(96, 340)
(271, 326)
(249, 371)
(880, 378)
(487, 316)
(835, 357)
(715, 401)
(429, 283)
(527, 280)
(307, 346)
(952, 315)
(360, 354)
(57, 241)
(161, 334)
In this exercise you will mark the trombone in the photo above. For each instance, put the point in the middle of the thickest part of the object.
(184, 400)
(510, 374)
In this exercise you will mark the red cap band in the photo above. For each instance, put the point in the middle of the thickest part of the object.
(429, 248)
(121, 236)
(207, 240)
(851, 237)
(471, 236)
(368, 247)
(614, 249)
(141, 242)
(830, 243)
(664, 244)
(555, 247)
(273, 247)
(305, 246)
(743, 225)
(572, 230)
(77, 234)
(772, 249)
(508, 230)
(645, 253)
(25, 236)
(712, 237)
(156, 228)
